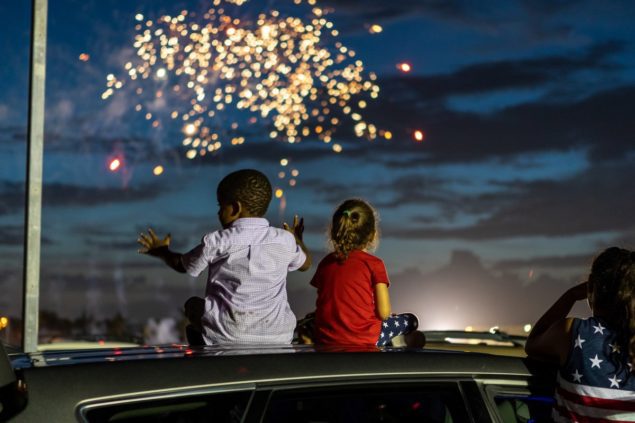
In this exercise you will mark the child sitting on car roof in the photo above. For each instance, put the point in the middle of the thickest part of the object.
(248, 260)
(353, 305)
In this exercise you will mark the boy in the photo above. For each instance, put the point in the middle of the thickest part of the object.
(247, 261)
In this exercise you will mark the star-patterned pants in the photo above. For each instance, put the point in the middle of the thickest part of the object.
(397, 324)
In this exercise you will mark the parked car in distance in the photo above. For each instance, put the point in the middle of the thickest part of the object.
(273, 384)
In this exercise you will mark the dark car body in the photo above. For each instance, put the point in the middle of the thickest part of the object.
(290, 383)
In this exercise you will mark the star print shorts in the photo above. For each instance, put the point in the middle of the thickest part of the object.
(397, 324)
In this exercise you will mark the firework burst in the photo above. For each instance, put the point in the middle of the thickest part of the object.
(216, 76)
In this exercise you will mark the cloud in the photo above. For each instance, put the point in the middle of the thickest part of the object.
(506, 74)
(115, 244)
(600, 123)
(626, 240)
(465, 292)
(532, 21)
(13, 236)
(455, 10)
(334, 192)
(577, 261)
(12, 195)
(4, 112)
(599, 199)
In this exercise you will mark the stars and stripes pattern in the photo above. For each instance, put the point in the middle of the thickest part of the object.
(596, 384)
(398, 324)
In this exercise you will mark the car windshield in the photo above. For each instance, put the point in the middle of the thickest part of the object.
(494, 141)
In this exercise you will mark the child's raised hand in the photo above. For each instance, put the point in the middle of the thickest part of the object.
(298, 227)
(151, 242)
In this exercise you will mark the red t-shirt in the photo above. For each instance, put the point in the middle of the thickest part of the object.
(345, 312)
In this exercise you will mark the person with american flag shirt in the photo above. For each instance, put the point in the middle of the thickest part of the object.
(595, 381)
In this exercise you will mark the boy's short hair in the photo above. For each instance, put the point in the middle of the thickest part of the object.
(250, 187)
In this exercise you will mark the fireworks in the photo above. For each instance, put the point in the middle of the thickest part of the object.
(212, 76)
(375, 29)
(114, 165)
(404, 67)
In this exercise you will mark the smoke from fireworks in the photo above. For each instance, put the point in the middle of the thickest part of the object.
(217, 76)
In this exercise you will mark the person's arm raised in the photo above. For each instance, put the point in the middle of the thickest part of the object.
(153, 246)
(298, 230)
(549, 340)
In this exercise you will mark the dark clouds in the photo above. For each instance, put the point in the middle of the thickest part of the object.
(456, 10)
(578, 261)
(13, 236)
(63, 195)
(532, 19)
(597, 200)
(600, 123)
(571, 113)
(506, 74)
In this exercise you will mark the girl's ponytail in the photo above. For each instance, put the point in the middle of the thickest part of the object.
(354, 227)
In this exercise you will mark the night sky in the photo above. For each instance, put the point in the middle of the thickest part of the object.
(525, 170)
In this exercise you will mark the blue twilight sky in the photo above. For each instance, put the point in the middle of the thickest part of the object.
(526, 170)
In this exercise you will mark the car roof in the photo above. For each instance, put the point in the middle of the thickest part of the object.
(321, 359)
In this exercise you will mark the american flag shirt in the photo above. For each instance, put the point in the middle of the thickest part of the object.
(596, 383)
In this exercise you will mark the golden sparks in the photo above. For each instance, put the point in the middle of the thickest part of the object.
(114, 165)
(375, 29)
(290, 74)
(404, 67)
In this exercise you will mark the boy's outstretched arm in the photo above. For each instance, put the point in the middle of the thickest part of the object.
(298, 230)
(153, 246)
(550, 338)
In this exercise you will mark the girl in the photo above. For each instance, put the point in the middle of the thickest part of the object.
(596, 356)
(353, 305)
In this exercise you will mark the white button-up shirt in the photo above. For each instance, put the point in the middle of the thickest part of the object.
(246, 295)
